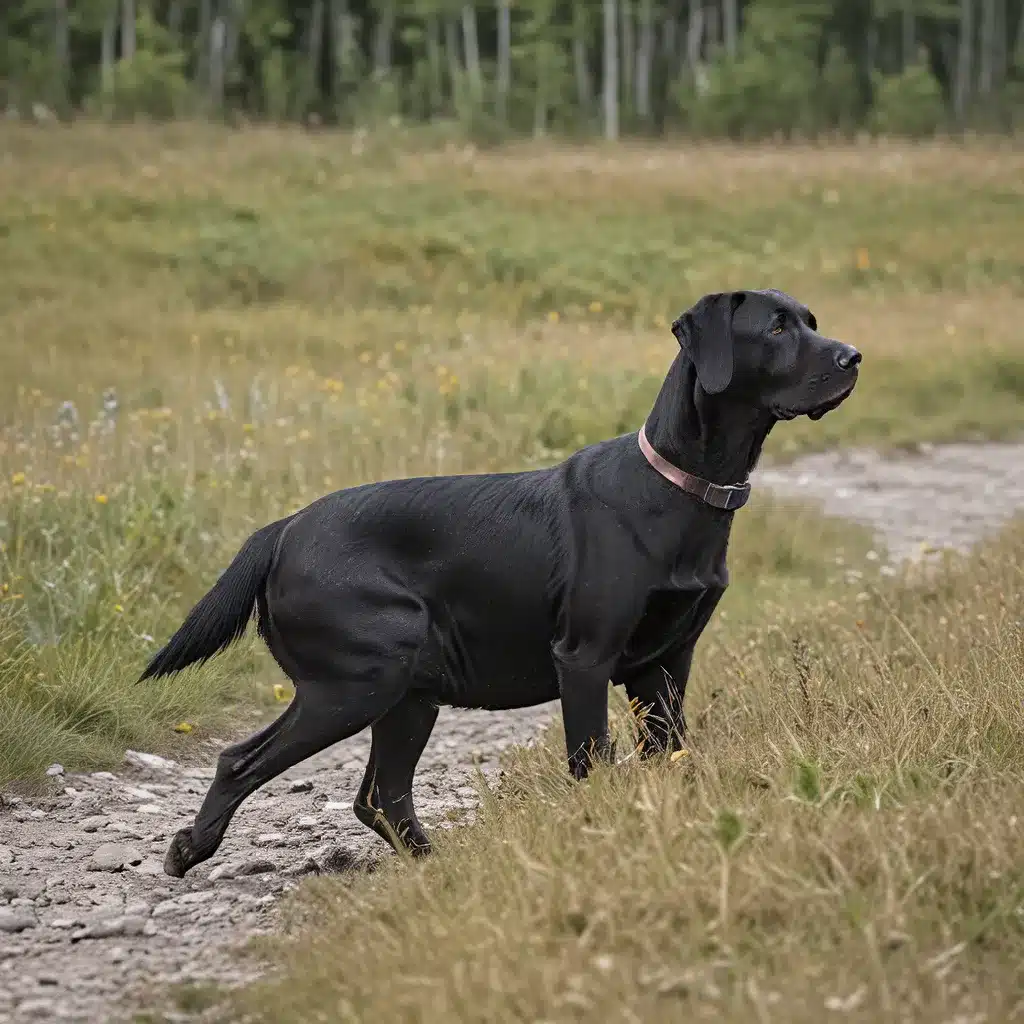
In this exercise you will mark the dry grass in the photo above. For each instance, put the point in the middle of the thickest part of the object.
(282, 313)
(842, 841)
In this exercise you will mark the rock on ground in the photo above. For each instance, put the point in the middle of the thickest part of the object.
(90, 925)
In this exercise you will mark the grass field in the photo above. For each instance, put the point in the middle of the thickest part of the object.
(279, 313)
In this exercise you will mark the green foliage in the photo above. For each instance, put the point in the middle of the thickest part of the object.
(772, 86)
(152, 83)
(753, 97)
(85, 578)
(802, 67)
(908, 104)
(838, 95)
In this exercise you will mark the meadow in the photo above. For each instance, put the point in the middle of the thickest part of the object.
(203, 330)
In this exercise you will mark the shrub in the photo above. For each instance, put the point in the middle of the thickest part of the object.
(908, 104)
(152, 83)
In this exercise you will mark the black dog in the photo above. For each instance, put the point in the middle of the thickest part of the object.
(384, 601)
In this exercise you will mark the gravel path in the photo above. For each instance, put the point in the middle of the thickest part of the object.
(88, 921)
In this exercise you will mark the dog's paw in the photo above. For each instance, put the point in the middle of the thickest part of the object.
(179, 854)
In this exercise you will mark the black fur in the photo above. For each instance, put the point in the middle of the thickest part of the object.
(220, 618)
(382, 602)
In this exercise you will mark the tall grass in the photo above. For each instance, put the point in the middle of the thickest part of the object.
(841, 840)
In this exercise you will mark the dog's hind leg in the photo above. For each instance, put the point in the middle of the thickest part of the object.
(318, 716)
(384, 803)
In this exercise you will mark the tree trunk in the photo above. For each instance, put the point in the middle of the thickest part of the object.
(434, 63)
(315, 44)
(340, 19)
(540, 96)
(504, 83)
(205, 23)
(871, 50)
(127, 29)
(670, 41)
(611, 71)
(908, 34)
(1002, 44)
(713, 23)
(175, 17)
(1017, 54)
(665, 65)
(108, 56)
(627, 51)
(962, 88)
(218, 38)
(993, 46)
(644, 59)
(451, 47)
(233, 30)
(62, 51)
(695, 35)
(584, 91)
(383, 32)
(472, 50)
(730, 26)
(987, 48)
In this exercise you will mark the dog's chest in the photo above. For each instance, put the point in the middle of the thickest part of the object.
(674, 613)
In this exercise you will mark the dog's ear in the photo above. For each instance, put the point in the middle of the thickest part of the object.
(704, 332)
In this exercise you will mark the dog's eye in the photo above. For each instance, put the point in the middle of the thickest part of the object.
(777, 329)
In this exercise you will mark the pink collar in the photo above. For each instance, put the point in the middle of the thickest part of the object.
(727, 496)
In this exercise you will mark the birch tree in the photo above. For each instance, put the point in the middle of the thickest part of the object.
(644, 59)
(127, 29)
(731, 26)
(471, 48)
(383, 36)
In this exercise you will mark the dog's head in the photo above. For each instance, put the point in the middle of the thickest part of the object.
(763, 349)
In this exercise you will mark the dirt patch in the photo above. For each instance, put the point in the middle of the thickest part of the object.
(941, 496)
(89, 924)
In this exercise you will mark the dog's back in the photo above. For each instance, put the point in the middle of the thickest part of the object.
(457, 574)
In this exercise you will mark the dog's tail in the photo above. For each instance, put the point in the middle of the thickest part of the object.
(221, 616)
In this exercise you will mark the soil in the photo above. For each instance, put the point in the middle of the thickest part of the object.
(89, 924)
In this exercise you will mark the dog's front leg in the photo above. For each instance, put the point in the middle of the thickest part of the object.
(657, 695)
(584, 695)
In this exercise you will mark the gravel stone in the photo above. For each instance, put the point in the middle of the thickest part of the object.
(114, 857)
(16, 919)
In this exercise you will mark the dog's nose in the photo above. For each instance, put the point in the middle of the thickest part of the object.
(847, 358)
